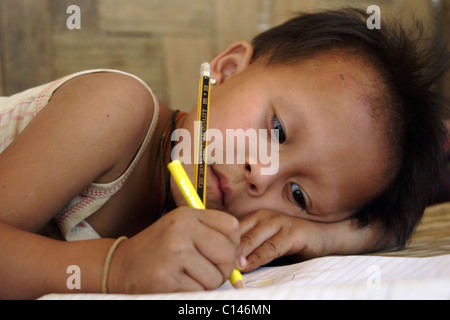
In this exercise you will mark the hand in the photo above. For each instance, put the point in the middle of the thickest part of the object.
(185, 250)
(267, 235)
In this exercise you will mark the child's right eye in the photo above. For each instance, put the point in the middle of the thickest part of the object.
(276, 124)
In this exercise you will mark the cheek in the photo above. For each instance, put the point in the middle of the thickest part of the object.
(245, 205)
(229, 117)
(331, 218)
(235, 111)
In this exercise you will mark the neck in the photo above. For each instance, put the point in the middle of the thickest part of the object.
(170, 202)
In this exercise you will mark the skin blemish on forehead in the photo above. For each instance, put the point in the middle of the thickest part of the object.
(342, 77)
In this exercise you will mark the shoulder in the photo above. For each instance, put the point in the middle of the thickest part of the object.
(110, 99)
(111, 92)
(115, 109)
(89, 131)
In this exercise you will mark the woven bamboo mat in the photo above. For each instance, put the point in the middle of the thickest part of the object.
(431, 237)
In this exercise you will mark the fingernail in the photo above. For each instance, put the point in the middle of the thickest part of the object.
(242, 262)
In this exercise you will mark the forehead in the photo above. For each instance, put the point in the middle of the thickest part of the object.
(337, 75)
(334, 70)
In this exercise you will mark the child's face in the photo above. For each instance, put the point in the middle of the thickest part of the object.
(332, 158)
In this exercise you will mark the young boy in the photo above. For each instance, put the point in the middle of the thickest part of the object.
(359, 133)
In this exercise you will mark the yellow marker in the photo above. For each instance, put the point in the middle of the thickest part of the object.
(193, 200)
(185, 185)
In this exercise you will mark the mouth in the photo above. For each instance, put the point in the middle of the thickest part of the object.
(221, 187)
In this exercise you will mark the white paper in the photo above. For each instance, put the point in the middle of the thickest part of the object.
(337, 277)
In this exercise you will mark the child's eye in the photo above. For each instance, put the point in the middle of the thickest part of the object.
(297, 196)
(276, 124)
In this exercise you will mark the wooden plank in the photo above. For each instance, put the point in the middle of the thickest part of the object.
(287, 9)
(236, 21)
(1, 68)
(162, 16)
(418, 9)
(88, 13)
(26, 44)
(140, 56)
(183, 56)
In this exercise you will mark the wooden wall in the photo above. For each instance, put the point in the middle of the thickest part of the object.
(162, 41)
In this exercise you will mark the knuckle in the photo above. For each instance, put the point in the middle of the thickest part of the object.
(182, 219)
(247, 240)
(265, 214)
(230, 223)
(271, 246)
(271, 216)
(224, 276)
(234, 231)
(258, 255)
(170, 284)
(225, 258)
(175, 248)
(234, 225)
(217, 281)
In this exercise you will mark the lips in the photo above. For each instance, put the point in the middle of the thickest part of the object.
(223, 191)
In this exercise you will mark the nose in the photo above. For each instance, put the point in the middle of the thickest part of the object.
(257, 184)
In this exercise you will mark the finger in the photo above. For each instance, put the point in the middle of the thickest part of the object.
(203, 272)
(182, 282)
(252, 239)
(222, 222)
(165, 275)
(248, 222)
(270, 249)
(217, 249)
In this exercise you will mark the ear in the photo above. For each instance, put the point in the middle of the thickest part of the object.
(232, 60)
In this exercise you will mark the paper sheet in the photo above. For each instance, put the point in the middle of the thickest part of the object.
(338, 277)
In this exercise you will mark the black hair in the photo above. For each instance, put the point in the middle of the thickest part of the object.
(409, 65)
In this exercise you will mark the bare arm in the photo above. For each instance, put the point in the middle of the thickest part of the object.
(81, 136)
(32, 265)
(347, 237)
(267, 235)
